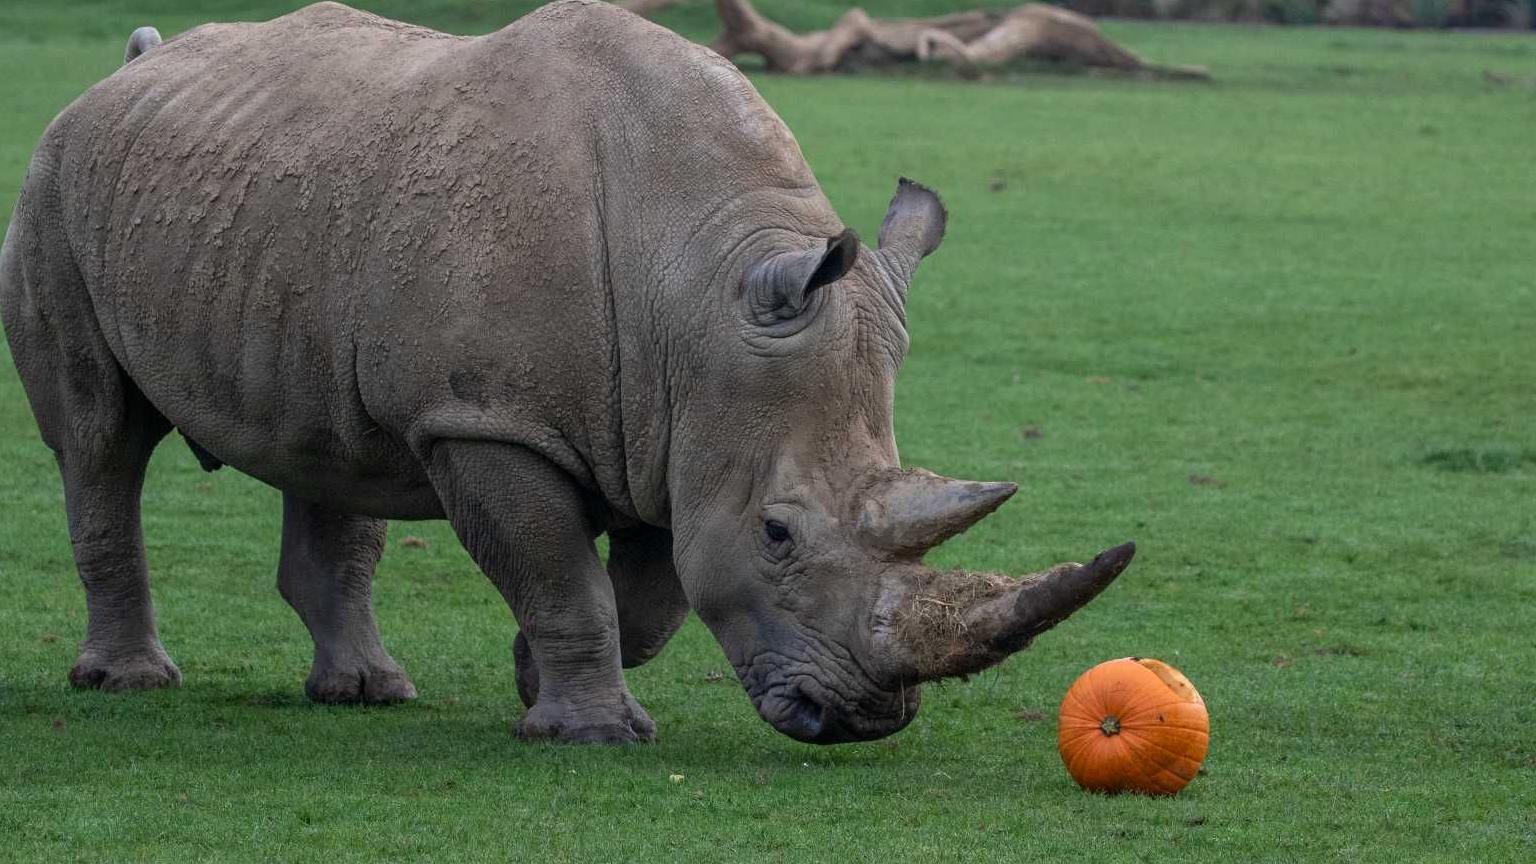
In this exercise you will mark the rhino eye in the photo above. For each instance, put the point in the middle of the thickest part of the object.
(776, 531)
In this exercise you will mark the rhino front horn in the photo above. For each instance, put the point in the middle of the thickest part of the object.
(911, 512)
(1008, 623)
(954, 623)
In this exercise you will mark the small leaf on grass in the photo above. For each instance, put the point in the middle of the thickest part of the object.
(411, 541)
(1029, 715)
(1204, 480)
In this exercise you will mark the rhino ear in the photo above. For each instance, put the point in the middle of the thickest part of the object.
(913, 227)
(782, 286)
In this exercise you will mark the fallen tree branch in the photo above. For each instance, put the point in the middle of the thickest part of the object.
(972, 42)
(1039, 32)
(746, 31)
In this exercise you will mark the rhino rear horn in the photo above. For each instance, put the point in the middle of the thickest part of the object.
(781, 286)
(914, 511)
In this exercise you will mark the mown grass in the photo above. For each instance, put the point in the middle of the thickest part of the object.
(1278, 329)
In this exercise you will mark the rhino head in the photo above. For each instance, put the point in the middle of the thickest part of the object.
(802, 540)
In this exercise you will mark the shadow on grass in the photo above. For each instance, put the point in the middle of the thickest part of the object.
(218, 729)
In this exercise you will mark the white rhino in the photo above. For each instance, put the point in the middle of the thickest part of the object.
(569, 278)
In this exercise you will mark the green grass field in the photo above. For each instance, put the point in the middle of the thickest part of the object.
(1279, 329)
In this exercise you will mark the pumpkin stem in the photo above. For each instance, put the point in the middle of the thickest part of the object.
(1110, 725)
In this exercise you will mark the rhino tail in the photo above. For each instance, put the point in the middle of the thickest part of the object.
(139, 42)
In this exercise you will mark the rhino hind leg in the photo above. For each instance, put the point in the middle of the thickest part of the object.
(207, 461)
(102, 432)
(102, 484)
(647, 593)
(529, 527)
(325, 573)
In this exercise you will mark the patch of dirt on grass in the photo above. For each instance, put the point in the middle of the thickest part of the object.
(1468, 461)
(1520, 549)
(1342, 649)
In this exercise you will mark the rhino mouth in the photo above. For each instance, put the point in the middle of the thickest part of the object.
(805, 719)
(803, 713)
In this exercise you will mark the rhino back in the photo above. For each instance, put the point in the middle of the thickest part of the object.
(274, 218)
(323, 242)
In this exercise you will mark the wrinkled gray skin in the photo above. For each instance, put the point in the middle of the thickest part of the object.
(567, 278)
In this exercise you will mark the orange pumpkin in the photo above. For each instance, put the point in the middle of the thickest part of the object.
(1133, 725)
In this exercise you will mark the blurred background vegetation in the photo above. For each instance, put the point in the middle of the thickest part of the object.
(696, 18)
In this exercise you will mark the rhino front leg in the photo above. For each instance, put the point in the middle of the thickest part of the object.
(652, 605)
(529, 528)
(325, 573)
(650, 601)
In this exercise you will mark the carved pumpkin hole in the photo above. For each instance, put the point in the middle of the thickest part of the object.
(1171, 678)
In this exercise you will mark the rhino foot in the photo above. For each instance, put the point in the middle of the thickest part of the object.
(149, 668)
(621, 722)
(378, 683)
